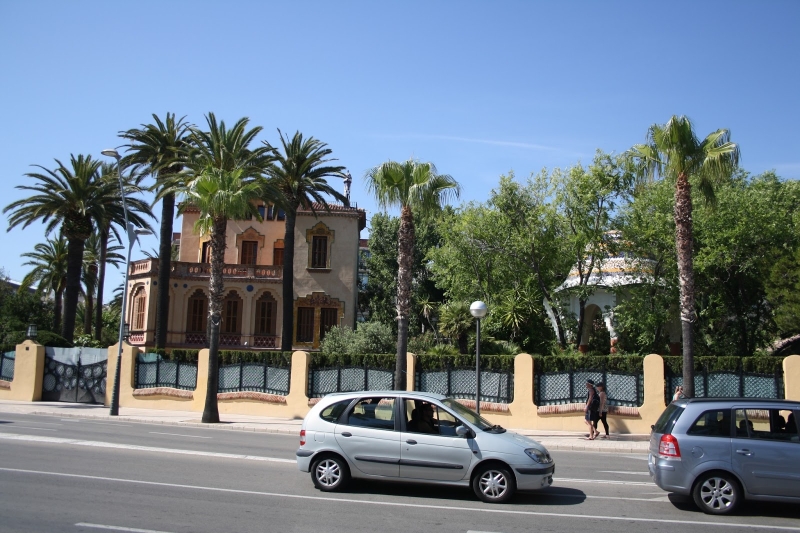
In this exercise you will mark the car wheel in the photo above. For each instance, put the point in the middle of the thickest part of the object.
(717, 493)
(330, 473)
(494, 484)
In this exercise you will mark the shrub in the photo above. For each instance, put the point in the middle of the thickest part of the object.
(45, 338)
(377, 361)
(369, 337)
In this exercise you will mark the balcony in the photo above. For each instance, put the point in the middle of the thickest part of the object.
(181, 339)
(147, 268)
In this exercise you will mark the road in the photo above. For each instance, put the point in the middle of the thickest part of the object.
(76, 475)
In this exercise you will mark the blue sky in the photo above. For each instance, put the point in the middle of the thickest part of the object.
(478, 88)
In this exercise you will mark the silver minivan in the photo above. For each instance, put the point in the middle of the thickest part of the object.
(417, 437)
(722, 451)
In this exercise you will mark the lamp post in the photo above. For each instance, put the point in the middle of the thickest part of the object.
(132, 236)
(478, 310)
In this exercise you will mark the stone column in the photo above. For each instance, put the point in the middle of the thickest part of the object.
(297, 399)
(522, 409)
(411, 371)
(28, 374)
(791, 377)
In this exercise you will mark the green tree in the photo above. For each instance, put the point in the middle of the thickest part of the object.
(456, 322)
(70, 198)
(96, 256)
(674, 152)
(18, 309)
(300, 173)
(49, 273)
(161, 149)
(411, 186)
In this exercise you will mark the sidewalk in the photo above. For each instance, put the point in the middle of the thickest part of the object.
(553, 440)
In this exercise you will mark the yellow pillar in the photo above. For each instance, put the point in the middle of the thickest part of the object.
(297, 399)
(654, 403)
(522, 408)
(791, 377)
(411, 371)
(199, 399)
(28, 373)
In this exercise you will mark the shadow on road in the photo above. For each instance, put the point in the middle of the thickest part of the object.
(748, 508)
(547, 497)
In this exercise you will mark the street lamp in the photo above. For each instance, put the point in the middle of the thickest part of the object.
(478, 310)
(33, 332)
(132, 236)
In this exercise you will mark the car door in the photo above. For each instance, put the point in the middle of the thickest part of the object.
(433, 451)
(368, 437)
(764, 454)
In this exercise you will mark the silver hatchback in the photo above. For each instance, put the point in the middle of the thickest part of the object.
(722, 451)
(417, 437)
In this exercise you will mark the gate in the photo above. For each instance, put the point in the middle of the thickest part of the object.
(75, 375)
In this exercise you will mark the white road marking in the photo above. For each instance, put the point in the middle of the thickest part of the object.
(735, 521)
(118, 528)
(623, 472)
(178, 435)
(31, 427)
(604, 481)
(134, 447)
(93, 422)
(590, 497)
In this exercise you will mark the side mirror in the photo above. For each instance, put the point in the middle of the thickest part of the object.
(463, 431)
(652, 427)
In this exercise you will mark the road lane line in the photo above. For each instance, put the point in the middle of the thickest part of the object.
(178, 435)
(406, 505)
(134, 447)
(624, 472)
(118, 528)
(31, 427)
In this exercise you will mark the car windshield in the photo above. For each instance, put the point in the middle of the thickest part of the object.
(467, 414)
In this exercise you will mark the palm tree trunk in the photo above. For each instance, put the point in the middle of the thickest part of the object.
(405, 257)
(684, 245)
(581, 319)
(58, 306)
(216, 291)
(287, 329)
(164, 267)
(73, 286)
(88, 311)
(101, 279)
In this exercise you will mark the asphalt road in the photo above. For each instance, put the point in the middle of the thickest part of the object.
(77, 475)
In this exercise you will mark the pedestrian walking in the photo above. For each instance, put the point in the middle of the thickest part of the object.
(590, 409)
(603, 408)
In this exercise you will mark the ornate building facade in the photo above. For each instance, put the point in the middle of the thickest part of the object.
(325, 281)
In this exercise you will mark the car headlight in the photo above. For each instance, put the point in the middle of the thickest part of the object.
(539, 456)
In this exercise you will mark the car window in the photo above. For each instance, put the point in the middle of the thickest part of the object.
(713, 423)
(376, 412)
(766, 424)
(426, 417)
(334, 411)
(668, 419)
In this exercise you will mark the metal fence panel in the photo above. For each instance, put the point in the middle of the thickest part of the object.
(554, 388)
(497, 387)
(728, 384)
(322, 381)
(254, 377)
(152, 371)
(7, 365)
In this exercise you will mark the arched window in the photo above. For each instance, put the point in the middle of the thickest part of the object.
(266, 315)
(197, 315)
(139, 303)
(231, 314)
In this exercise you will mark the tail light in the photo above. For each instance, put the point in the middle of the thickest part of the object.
(668, 447)
(302, 437)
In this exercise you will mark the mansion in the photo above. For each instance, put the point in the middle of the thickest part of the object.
(325, 281)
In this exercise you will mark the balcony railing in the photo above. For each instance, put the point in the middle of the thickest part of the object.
(186, 270)
(200, 340)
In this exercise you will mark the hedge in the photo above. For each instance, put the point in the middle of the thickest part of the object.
(628, 364)
(490, 363)
(277, 359)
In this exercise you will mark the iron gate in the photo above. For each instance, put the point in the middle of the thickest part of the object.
(75, 375)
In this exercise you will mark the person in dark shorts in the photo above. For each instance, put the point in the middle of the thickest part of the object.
(590, 409)
(602, 411)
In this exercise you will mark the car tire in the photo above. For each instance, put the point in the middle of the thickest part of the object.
(717, 493)
(330, 473)
(494, 483)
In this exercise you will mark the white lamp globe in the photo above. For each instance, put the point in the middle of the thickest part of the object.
(478, 309)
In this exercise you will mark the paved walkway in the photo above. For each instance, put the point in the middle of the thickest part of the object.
(553, 440)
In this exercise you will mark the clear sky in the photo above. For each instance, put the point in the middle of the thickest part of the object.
(478, 88)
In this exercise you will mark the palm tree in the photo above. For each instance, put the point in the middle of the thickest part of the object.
(224, 178)
(96, 255)
(412, 186)
(455, 322)
(672, 151)
(219, 195)
(299, 174)
(112, 217)
(71, 199)
(161, 149)
(49, 262)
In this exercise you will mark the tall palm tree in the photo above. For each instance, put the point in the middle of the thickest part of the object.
(220, 195)
(71, 199)
(49, 262)
(673, 151)
(161, 150)
(299, 174)
(411, 186)
(96, 255)
(113, 216)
